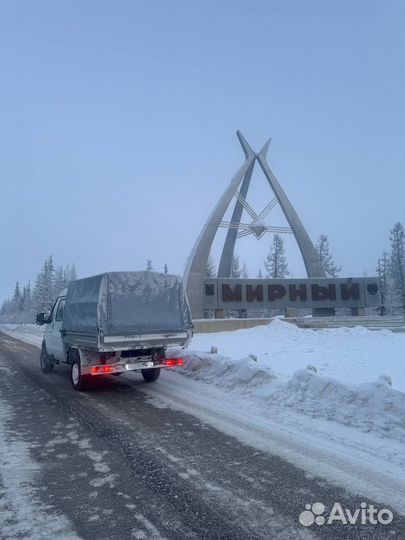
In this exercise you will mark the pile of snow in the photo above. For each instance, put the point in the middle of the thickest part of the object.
(339, 374)
(350, 355)
(29, 333)
(243, 374)
(371, 407)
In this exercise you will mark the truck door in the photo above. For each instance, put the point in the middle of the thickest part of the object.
(54, 342)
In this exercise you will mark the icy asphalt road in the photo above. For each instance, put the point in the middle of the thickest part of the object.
(112, 463)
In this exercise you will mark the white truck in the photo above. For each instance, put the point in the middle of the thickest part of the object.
(116, 322)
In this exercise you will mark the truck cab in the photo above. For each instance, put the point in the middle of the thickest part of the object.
(53, 328)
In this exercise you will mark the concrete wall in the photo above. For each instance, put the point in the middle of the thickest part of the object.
(202, 326)
(395, 324)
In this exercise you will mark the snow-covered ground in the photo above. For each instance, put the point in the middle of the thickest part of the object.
(22, 515)
(352, 376)
(350, 355)
(331, 401)
(29, 333)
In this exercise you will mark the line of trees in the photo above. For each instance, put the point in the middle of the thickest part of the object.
(27, 301)
(275, 263)
(150, 268)
(390, 267)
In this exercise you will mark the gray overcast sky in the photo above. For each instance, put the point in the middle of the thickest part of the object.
(118, 125)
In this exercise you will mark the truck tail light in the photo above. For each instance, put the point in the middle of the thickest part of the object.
(173, 362)
(101, 369)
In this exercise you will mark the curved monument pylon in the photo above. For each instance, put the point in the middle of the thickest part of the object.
(197, 262)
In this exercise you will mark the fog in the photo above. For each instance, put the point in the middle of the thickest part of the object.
(118, 128)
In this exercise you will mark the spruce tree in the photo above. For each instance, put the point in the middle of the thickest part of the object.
(397, 266)
(276, 262)
(50, 283)
(39, 289)
(28, 298)
(17, 299)
(383, 271)
(63, 276)
(325, 257)
(24, 299)
(44, 287)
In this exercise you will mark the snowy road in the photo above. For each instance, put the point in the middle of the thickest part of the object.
(121, 461)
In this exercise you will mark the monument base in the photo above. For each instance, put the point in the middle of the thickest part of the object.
(323, 312)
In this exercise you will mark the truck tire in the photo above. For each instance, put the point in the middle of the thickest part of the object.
(79, 382)
(45, 360)
(150, 375)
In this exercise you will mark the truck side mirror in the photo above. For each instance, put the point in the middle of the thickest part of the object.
(41, 319)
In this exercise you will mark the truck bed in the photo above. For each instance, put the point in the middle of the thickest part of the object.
(107, 343)
(126, 310)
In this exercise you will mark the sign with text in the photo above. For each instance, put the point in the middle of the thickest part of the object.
(227, 293)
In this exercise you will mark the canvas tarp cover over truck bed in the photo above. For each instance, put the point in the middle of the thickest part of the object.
(127, 303)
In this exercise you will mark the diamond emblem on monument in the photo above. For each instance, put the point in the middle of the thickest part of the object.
(258, 228)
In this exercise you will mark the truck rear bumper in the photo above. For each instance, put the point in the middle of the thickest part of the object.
(106, 369)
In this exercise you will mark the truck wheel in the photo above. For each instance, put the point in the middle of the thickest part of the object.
(46, 361)
(150, 375)
(79, 382)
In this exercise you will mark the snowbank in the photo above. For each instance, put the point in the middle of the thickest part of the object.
(348, 380)
(29, 333)
(243, 375)
(350, 355)
(370, 407)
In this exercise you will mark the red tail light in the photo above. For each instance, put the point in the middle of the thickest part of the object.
(173, 362)
(101, 369)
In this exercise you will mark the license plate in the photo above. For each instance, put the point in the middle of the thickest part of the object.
(147, 364)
